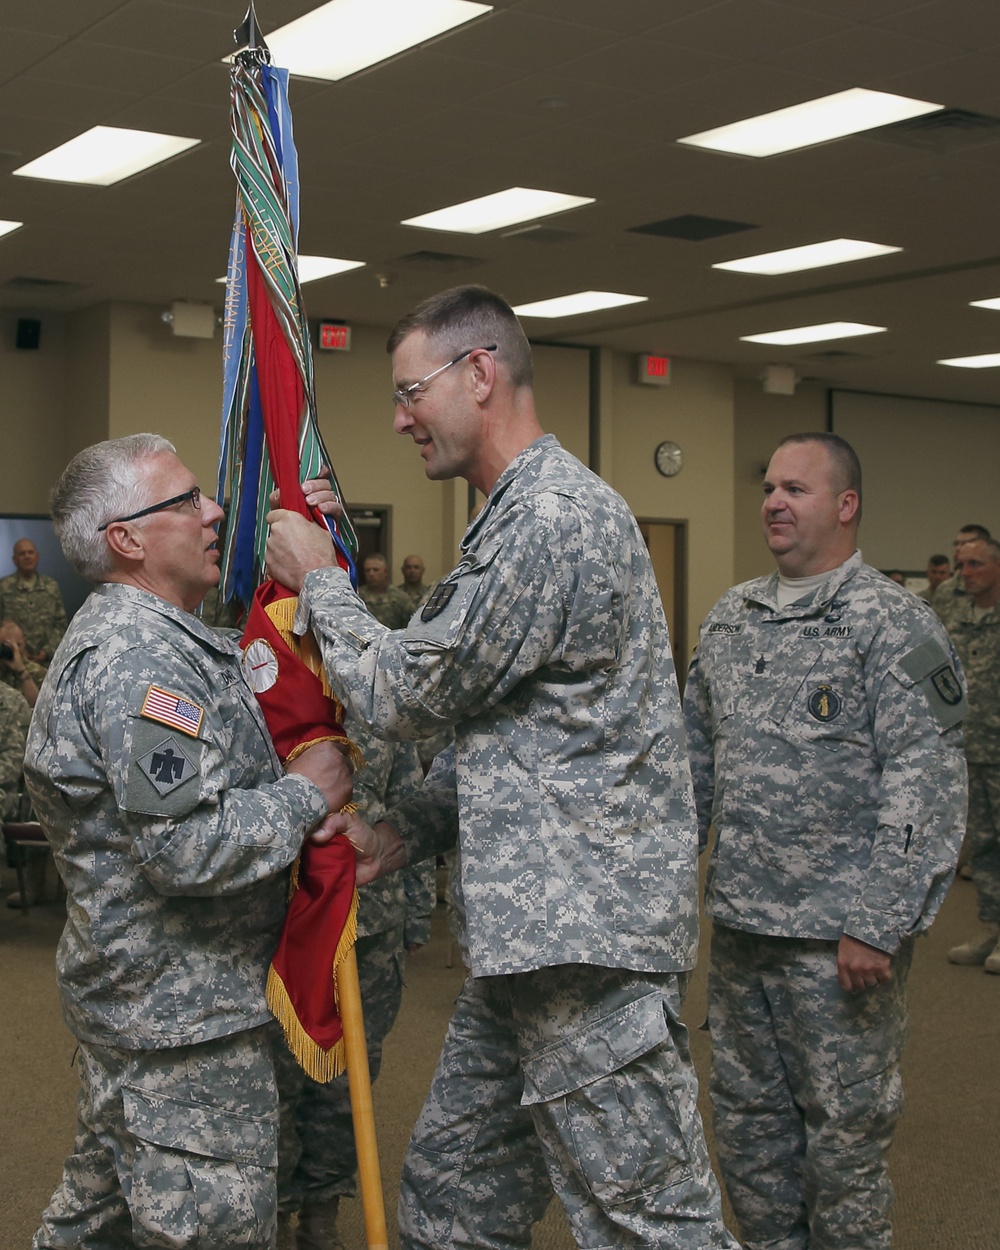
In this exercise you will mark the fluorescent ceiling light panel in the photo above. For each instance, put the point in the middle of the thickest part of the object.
(313, 267)
(493, 212)
(990, 361)
(340, 38)
(573, 305)
(105, 155)
(984, 303)
(8, 227)
(813, 334)
(812, 256)
(816, 121)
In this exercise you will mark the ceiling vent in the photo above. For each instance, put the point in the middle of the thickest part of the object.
(691, 227)
(41, 286)
(437, 260)
(835, 356)
(947, 130)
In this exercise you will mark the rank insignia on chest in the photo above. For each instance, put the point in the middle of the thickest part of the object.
(825, 704)
(439, 600)
(173, 710)
(947, 685)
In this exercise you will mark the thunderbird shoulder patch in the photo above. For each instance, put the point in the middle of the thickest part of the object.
(172, 709)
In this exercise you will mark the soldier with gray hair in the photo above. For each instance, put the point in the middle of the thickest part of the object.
(172, 826)
(566, 1064)
(823, 709)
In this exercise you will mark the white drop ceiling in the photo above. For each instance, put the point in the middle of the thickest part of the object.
(587, 97)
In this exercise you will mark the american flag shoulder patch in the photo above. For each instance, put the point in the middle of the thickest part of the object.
(173, 710)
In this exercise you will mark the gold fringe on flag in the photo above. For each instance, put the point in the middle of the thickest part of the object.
(322, 1065)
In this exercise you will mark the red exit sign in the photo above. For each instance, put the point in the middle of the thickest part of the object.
(654, 370)
(334, 337)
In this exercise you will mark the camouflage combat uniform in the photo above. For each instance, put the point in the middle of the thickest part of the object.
(171, 824)
(948, 595)
(414, 595)
(15, 716)
(825, 749)
(977, 641)
(388, 606)
(36, 604)
(34, 671)
(547, 650)
(316, 1155)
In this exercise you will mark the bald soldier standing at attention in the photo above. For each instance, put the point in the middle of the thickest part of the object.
(566, 1065)
(172, 824)
(823, 710)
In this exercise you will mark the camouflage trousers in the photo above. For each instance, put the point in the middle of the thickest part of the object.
(983, 836)
(575, 1079)
(805, 1091)
(316, 1156)
(174, 1148)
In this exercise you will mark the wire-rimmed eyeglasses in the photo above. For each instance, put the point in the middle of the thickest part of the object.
(194, 494)
(401, 397)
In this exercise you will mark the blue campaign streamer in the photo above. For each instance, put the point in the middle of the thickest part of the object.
(243, 577)
(279, 113)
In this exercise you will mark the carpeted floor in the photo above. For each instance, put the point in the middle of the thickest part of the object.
(945, 1160)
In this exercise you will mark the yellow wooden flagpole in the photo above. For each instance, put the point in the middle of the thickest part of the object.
(362, 1110)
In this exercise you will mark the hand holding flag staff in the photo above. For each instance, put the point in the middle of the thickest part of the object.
(270, 437)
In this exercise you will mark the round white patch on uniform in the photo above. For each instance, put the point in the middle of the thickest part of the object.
(260, 666)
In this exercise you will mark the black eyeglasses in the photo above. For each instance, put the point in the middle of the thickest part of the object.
(194, 494)
(401, 397)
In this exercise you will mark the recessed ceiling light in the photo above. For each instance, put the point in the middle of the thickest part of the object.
(105, 155)
(8, 227)
(345, 36)
(984, 303)
(989, 361)
(815, 121)
(582, 302)
(311, 268)
(813, 334)
(493, 212)
(812, 256)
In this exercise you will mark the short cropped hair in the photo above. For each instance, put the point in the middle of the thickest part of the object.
(844, 458)
(939, 560)
(980, 531)
(991, 545)
(470, 316)
(100, 483)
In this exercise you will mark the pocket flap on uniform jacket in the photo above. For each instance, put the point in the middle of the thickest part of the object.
(198, 1128)
(595, 1052)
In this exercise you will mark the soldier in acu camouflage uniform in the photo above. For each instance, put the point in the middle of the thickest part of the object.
(15, 716)
(35, 602)
(384, 602)
(171, 823)
(317, 1161)
(566, 1064)
(974, 625)
(823, 710)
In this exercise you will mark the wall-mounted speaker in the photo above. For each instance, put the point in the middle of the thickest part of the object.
(29, 333)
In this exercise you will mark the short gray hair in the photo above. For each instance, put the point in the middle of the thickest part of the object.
(100, 483)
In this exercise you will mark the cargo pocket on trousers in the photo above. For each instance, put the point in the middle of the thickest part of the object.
(611, 1093)
(202, 1177)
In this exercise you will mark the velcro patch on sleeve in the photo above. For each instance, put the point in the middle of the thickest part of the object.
(173, 710)
(930, 667)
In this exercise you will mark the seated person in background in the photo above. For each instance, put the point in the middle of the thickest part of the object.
(938, 571)
(383, 601)
(412, 585)
(16, 669)
(34, 601)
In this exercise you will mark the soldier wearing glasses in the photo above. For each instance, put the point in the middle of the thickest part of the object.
(172, 825)
(566, 1065)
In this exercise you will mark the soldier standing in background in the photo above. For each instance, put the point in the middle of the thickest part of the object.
(566, 1064)
(172, 825)
(974, 625)
(35, 602)
(823, 712)
(383, 601)
(412, 585)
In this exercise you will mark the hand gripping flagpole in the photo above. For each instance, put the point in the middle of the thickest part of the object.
(271, 436)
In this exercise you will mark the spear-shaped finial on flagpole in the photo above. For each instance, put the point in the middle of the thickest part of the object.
(247, 35)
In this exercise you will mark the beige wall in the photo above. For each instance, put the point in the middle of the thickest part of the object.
(33, 407)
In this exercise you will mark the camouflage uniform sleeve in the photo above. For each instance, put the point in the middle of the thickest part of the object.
(59, 621)
(507, 610)
(698, 725)
(13, 733)
(427, 818)
(917, 703)
(406, 782)
(214, 830)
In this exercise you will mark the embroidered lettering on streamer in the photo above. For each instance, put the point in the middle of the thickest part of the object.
(173, 710)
